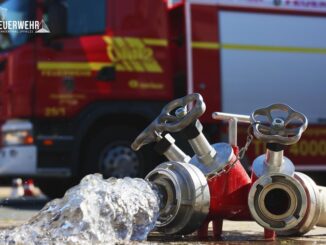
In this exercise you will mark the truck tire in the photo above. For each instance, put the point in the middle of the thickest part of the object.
(109, 153)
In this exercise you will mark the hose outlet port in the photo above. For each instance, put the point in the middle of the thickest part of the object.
(278, 202)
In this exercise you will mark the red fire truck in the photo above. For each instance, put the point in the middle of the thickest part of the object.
(76, 91)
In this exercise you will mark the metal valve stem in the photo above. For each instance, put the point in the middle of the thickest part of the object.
(165, 146)
(202, 148)
(274, 160)
(198, 142)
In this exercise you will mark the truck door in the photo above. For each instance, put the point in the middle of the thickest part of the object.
(69, 59)
(272, 57)
(140, 49)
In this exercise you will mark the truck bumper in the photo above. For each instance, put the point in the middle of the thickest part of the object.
(21, 161)
(18, 160)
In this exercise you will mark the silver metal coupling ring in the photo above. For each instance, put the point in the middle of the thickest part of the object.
(184, 197)
(278, 202)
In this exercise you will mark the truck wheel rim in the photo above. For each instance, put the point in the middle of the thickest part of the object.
(119, 161)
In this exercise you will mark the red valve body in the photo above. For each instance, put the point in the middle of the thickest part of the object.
(229, 199)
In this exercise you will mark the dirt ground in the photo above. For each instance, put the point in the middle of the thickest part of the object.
(245, 233)
(233, 232)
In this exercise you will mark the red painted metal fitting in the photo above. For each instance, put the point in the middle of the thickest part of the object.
(229, 199)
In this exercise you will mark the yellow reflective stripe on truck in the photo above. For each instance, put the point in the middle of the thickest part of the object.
(205, 45)
(59, 69)
(232, 46)
(155, 42)
(286, 49)
(53, 65)
(127, 54)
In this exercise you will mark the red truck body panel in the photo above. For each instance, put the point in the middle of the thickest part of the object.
(133, 45)
(17, 83)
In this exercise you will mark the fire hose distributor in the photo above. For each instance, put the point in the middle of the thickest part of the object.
(228, 181)
(213, 185)
(281, 199)
(182, 187)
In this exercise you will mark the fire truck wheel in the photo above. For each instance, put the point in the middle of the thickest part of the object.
(110, 154)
